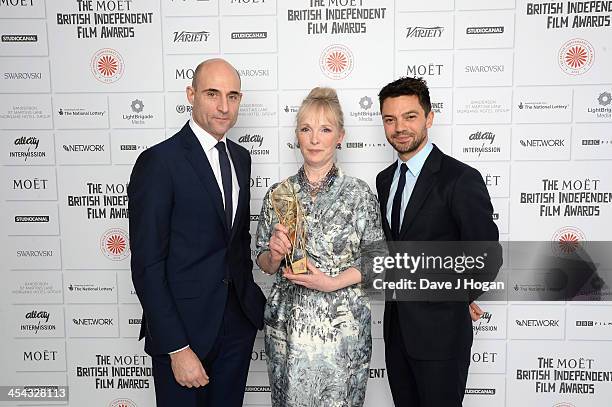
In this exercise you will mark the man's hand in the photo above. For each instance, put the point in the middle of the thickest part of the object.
(187, 368)
(475, 311)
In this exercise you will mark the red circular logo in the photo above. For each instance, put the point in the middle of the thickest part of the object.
(115, 244)
(567, 239)
(336, 61)
(576, 56)
(107, 65)
(122, 403)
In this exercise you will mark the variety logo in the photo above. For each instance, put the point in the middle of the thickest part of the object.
(249, 35)
(114, 244)
(567, 239)
(424, 32)
(20, 38)
(107, 65)
(336, 61)
(29, 142)
(576, 56)
(485, 30)
(191, 36)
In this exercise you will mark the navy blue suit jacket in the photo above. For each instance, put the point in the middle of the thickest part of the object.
(449, 202)
(181, 248)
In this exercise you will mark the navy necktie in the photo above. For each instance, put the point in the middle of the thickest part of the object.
(226, 178)
(397, 203)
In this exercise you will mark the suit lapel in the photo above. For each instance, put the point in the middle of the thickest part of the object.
(198, 160)
(243, 183)
(425, 182)
(386, 178)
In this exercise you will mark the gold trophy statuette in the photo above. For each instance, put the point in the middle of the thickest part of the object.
(290, 214)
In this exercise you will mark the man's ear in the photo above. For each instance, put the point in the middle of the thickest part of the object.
(190, 91)
(429, 120)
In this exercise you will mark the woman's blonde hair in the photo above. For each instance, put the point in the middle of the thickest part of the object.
(324, 98)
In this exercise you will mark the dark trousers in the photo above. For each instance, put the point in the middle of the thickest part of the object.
(422, 383)
(227, 365)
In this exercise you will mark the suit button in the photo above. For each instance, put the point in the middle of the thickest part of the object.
(227, 281)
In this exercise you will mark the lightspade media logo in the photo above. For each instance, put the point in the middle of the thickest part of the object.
(576, 56)
(114, 244)
(337, 61)
(107, 65)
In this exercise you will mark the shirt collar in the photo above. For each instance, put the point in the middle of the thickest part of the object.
(416, 163)
(207, 141)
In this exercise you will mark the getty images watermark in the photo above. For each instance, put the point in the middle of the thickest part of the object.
(442, 266)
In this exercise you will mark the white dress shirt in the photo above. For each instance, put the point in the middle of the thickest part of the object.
(208, 143)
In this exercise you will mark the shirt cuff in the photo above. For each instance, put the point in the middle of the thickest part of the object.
(178, 350)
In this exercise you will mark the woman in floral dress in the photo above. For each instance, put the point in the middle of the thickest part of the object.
(317, 325)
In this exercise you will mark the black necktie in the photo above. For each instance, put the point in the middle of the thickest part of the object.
(226, 178)
(397, 203)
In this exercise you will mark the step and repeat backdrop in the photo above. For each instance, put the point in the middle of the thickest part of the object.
(522, 90)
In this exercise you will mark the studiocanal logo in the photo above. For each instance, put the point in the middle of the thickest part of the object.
(576, 56)
(336, 61)
(107, 65)
(114, 244)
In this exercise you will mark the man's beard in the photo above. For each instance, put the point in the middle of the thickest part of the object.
(410, 147)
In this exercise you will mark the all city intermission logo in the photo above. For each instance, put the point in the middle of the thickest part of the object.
(107, 65)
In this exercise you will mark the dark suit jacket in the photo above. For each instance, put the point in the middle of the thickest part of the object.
(449, 202)
(181, 248)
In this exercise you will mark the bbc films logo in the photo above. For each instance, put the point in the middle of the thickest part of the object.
(576, 56)
(592, 323)
(191, 36)
(249, 35)
(567, 239)
(114, 244)
(19, 37)
(107, 65)
(336, 61)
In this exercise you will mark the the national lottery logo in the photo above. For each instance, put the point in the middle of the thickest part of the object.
(115, 244)
(122, 403)
(576, 56)
(567, 239)
(336, 61)
(107, 65)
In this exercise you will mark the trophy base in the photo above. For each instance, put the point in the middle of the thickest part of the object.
(299, 267)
